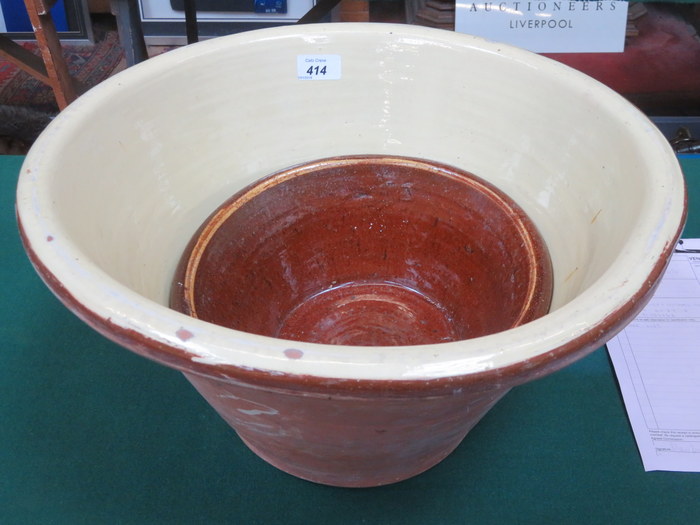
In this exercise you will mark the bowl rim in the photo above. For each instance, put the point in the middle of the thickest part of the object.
(191, 345)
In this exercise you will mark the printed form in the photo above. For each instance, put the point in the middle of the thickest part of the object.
(657, 363)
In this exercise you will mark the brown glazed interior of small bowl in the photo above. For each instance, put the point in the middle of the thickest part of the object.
(366, 250)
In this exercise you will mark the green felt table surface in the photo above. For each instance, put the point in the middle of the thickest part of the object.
(91, 433)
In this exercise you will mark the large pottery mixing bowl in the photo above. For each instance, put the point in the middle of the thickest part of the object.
(112, 192)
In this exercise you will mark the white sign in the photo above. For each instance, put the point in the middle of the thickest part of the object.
(318, 67)
(574, 26)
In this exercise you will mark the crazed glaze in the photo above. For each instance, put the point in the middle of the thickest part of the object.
(113, 190)
(521, 140)
(366, 250)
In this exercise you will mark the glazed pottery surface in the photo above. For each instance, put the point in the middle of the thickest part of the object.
(115, 188)
(367, 250)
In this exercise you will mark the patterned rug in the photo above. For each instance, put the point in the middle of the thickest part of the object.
(88, 63)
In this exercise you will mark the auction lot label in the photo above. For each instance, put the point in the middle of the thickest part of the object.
(575, 26)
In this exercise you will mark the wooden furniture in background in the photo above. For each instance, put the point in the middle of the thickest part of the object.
(50, 67)
(353, 11)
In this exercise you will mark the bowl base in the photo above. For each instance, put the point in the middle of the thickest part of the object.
(369, 314)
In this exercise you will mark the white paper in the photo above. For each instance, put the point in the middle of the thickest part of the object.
(551, 26)
(657, 363)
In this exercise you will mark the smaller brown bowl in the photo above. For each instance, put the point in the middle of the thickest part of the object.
(366, 251)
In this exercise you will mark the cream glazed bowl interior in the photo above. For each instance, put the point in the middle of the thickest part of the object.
(112, 191)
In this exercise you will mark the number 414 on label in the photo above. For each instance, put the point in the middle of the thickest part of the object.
(318, 67)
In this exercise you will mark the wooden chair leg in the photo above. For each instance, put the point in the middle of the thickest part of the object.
(57, 73)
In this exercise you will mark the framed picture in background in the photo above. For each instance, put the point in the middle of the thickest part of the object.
(163, 21)
(70, 17)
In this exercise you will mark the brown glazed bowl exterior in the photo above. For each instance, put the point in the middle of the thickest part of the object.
(112, 192)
